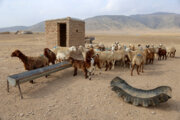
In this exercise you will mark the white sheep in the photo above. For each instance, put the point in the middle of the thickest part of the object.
(105, 58)
(63, 53)
(171, 51)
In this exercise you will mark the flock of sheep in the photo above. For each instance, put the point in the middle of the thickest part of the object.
(98, 56)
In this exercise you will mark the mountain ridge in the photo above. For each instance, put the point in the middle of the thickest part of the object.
(154, 21)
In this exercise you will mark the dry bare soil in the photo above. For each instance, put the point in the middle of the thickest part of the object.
(64, 97)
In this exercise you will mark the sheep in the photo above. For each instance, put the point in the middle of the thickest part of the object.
(139, 62)
(137, 58)
(31, 63)
(116, 46)
(132, 47)
(101, 47)
(63, 49)
(88, 66)
(50, 55)
(78, 64)
(63, 53)
(84, 52)
(171, 52)
(117, 56)
(162, 53)
(105, 58)
(149, 52)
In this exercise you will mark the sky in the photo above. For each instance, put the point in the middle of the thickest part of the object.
(29, 12)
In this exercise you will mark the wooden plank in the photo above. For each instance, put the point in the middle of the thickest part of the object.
(33, 74)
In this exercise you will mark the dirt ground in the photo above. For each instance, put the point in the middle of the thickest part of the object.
(64, 97)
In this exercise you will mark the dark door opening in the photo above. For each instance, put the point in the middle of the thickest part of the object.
(62, 34)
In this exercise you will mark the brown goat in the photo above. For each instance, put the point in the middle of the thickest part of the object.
(50, 55)
(31, 63)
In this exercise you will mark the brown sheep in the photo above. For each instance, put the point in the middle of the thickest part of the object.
(149, 52)
(50, 55)
(87, 66)
(31, 63)
(162, 53)
(78, 64)
(138, 61)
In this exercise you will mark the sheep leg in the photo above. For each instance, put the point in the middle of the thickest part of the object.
(31, 81)
(107, 65)
(142, 68)
(110, 65)
(85, 73)
(98, 64)
(89, 75)
(113, 63)
(75, 71)
(137, 68)
(130, 65)
(132, 69)
(47, 76)
(146, 61)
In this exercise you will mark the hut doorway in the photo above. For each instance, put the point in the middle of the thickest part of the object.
(62, 36)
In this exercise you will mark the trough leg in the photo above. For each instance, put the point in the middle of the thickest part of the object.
(19, 90)
(7, 86)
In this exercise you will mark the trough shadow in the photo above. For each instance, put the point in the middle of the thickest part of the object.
(176, 57)
(170, 105)
(53, 83)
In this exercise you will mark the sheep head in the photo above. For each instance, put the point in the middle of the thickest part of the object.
(73, 48)
(46, 51)
(16, 53)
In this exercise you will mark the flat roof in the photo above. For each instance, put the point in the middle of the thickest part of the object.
(67, 18)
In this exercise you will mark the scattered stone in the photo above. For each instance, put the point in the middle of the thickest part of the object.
(115, 112)
(92, 105)
(153, 112)
(49, 110)
(21, 114)
(67, 97)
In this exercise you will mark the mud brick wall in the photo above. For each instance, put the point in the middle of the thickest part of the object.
(75, 32)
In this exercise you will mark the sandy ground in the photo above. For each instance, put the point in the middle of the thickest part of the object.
(64, 97)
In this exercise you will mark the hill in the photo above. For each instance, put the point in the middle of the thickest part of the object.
(118, 22)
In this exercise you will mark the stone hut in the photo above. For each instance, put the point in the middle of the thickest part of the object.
(65, 32)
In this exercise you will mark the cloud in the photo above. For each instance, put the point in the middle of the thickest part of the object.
(28, 12)
(128, 7)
